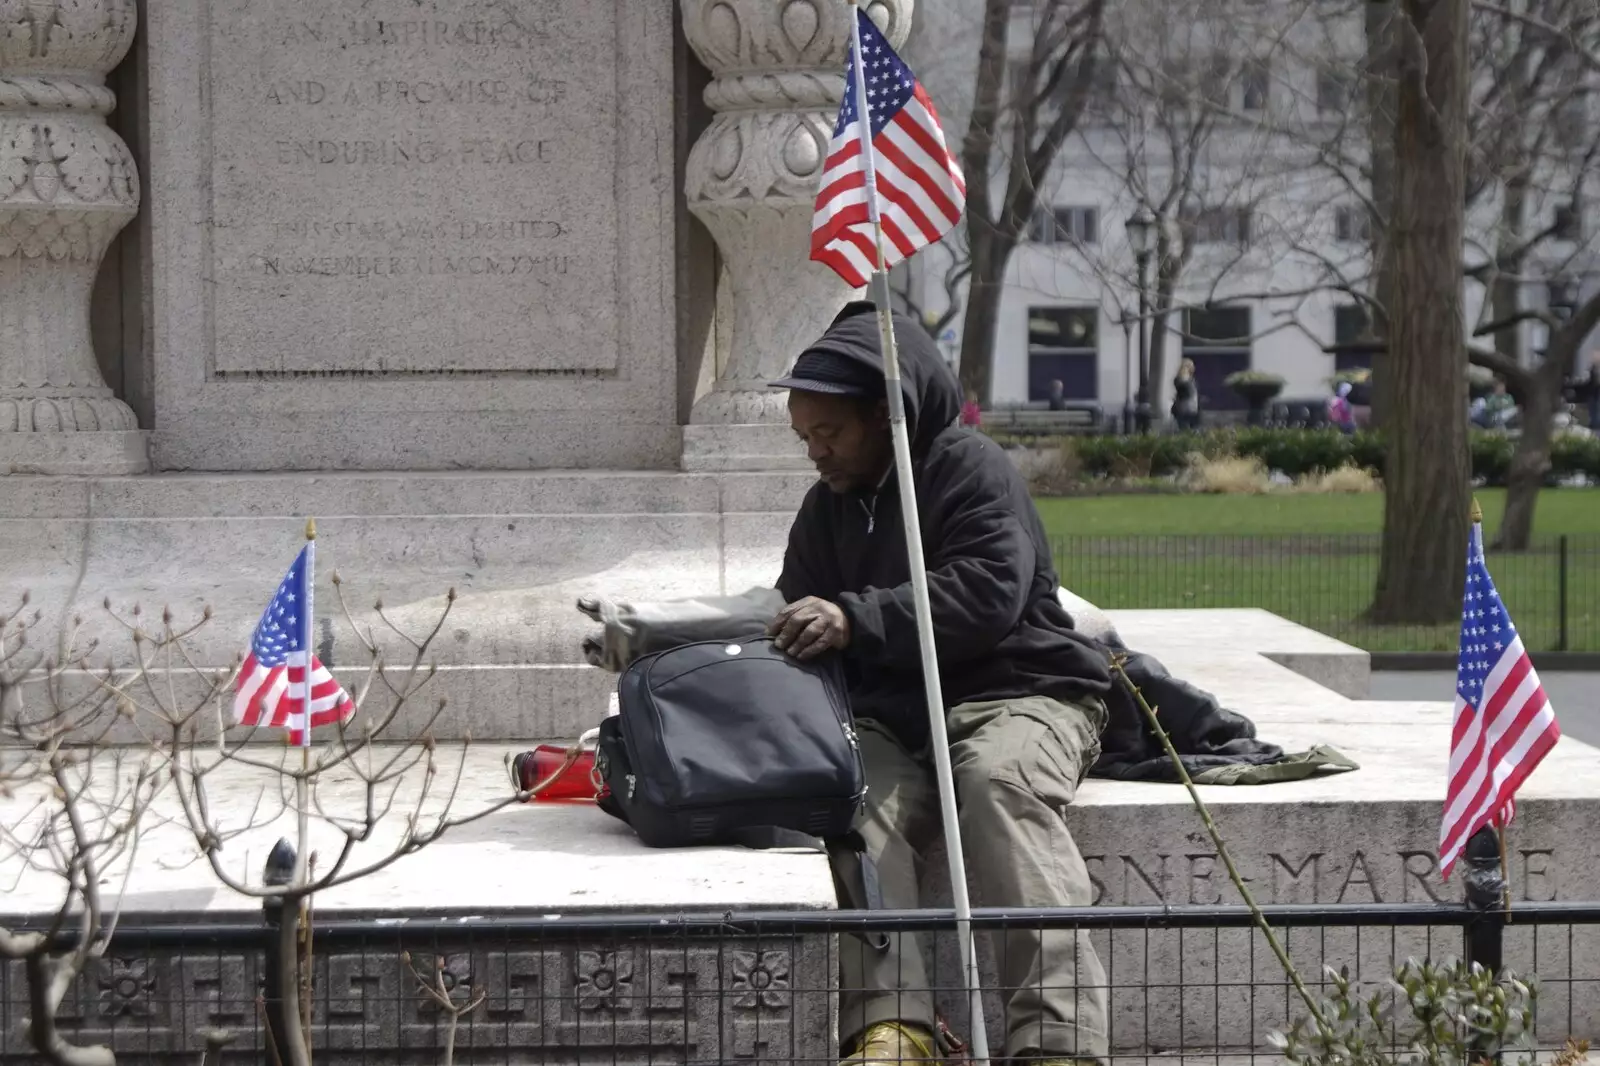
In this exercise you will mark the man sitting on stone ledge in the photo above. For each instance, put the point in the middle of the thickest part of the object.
(1025, 693)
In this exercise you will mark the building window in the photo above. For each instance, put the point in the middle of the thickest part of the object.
(1352, 224)
(1220, 225)
(1567, 223)
(1064, 346)
(1254, 85)
(1333, 91)
(1351, 323)
(1217, 340)
(1218, 325)
(1353, 341)
(1064, 225)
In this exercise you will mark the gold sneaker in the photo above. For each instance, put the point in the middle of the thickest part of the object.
(893, 1042)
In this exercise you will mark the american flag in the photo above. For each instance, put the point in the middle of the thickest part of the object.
(921, 192)
(1503, 723)
(271, 688)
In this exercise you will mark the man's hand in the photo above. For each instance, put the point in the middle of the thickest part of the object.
(807, 628)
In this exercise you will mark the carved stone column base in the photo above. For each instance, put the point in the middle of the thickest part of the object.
(67, 187)
(746, 447)
(102, 454)
(782, 302)
(752, 179)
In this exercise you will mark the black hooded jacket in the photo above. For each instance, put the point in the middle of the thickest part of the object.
(999, 629)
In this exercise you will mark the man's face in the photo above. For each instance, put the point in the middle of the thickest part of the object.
(846, 439)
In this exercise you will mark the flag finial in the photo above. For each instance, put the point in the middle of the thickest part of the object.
(311, 529)
(1477, 511)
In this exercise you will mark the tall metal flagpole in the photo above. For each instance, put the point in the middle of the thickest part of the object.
(301, 856)
(919, 569)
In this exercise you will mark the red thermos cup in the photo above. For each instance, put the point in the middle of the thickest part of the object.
(576, 783)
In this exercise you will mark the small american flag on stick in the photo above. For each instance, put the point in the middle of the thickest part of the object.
(920, 190)
(272, 682)
(1504, 725)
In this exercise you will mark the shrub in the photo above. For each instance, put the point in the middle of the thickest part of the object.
(1368, 450)
(1248, 378)
(1300, 454)
(1575, 453)
(1296, 452)
(1233, 475)
(1443, 1013)
(1097, 456)
(1049, 471)
(1491, 456)
(1348, 478)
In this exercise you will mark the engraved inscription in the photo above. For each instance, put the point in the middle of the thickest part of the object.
(365, 153)
(396, 194)
(404, 92)
(1361, 876)
(1422, 872)
(504, 32)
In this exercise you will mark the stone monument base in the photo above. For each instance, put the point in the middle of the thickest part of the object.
(742, 448)
(1363, 837)
(97, 454)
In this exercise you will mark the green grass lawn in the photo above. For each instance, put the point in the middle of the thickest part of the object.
(1314, 559)
(1559, 511)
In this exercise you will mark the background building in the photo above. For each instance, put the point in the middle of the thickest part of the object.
(1240, 132)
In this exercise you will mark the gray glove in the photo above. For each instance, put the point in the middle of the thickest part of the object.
(631, 629)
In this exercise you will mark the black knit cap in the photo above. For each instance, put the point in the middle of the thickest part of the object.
(821, 370)
(831, 373)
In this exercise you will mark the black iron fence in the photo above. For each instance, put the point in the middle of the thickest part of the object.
(1325, 582)
(1195, 983)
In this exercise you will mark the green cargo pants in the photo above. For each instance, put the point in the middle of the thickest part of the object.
(1017, 765)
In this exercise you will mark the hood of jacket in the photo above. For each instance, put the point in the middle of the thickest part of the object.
(932, 394)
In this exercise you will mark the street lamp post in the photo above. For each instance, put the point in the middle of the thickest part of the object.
(1140, 228)
(1127, 372)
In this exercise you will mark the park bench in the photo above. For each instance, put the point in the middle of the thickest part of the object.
(1043, 422)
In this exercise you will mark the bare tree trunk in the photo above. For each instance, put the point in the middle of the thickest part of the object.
(1531, 460)
(1539, 394)
(985, 290)
(1427, 477)
(1044, 109)
(1529, 463)
(1168, 268)
(984, 218)
(1505, 291)
(1380, 100)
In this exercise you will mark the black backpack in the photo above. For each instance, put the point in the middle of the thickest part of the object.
(732, 742)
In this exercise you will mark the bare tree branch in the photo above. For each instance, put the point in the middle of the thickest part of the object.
(64, 815)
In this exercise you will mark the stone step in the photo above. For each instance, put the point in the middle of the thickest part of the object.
(518, 548)
(559, 701)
